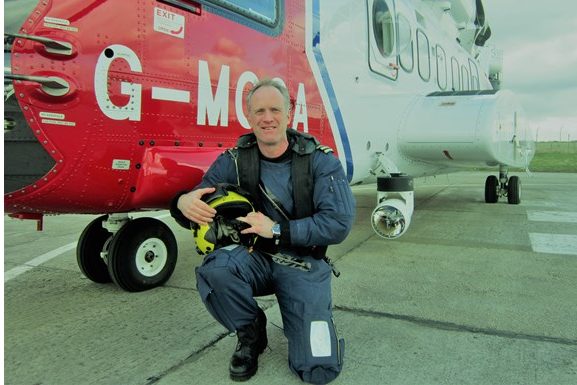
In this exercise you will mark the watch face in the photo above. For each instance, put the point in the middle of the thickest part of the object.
(276, 229)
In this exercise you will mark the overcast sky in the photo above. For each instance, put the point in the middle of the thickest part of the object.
(539, 43)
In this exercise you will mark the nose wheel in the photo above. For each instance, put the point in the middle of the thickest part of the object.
(503, 186)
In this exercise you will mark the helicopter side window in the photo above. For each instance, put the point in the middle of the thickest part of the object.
(383, 56)
(405, 43)
(266, 16)
(465, 78)
(423, 56)
(455, 75)
(441, 67)
(265, 11)
(383, 28)
(474, 75)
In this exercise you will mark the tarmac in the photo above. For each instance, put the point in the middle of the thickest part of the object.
(473, 293)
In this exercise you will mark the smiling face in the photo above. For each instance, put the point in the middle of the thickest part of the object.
(268, 117)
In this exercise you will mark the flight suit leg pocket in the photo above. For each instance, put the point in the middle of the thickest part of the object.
(315, 351)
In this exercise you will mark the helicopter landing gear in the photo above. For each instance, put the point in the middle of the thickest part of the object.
(503, 186)
(136, 254)
(92, 241)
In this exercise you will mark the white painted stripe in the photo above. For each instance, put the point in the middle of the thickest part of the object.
(170, 94)
(16, 271)
(554, 243)
(539, 203)
(552, 216)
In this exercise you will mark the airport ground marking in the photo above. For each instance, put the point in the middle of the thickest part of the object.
(554, 243)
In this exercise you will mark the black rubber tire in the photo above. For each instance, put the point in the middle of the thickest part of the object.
(90, 244)
(491, 187)
(136, 242)
(514, 190)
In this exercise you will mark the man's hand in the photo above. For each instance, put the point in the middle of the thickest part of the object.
(259, 223)
(193, 208)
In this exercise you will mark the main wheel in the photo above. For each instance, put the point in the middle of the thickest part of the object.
(90, 244)
(514, 190)
(491, 187)
(142, 254)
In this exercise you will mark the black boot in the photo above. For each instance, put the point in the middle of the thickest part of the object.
(252, 341)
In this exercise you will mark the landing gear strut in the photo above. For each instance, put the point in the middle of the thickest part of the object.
(503, 186)
(137, 254)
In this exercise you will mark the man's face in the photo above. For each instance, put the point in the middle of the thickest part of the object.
(267, 116)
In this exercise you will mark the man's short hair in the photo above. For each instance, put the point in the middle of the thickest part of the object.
(270, 83)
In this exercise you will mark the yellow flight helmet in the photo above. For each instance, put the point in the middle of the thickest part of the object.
(230, 202)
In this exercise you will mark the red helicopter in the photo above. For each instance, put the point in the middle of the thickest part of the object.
(115, 106)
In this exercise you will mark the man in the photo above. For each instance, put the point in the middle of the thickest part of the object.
(304, 204)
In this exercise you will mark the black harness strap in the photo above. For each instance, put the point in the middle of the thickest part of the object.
(248, 164)
(302, 185)
(248, 168)
(303, 145)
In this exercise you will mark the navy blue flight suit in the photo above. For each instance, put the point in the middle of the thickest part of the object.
(230, 277)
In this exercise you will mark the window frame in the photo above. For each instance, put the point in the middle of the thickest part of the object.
(437, 49)
(238, 14)
(455, 81)
(411, 46)
(465, 83)
(379, 63)
(420, 55)
(474, 74)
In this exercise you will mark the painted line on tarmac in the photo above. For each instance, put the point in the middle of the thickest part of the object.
(35, 262)
(16, 271)
(552, 216)
(554, 243)
(539, 203)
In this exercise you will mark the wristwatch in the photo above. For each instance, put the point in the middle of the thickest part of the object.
(276, 233)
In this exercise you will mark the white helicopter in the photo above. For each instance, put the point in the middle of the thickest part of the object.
(115, 106)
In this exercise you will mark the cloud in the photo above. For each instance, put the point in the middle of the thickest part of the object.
(547, 63)
(539, 59)
(542, 73)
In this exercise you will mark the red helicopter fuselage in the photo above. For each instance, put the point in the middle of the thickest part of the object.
(148, 95)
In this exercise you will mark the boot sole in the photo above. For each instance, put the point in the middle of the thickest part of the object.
(244, 376)
(248, 375)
